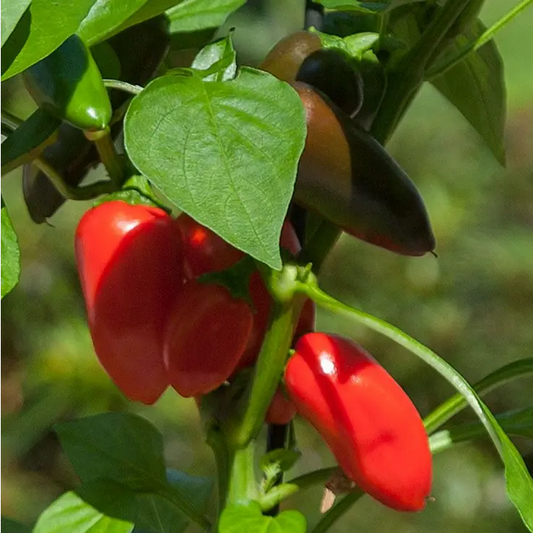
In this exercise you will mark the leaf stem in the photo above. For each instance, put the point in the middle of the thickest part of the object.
(484, 38)
(113, 163)
(448, 409)
(87, 192)
(123, 86)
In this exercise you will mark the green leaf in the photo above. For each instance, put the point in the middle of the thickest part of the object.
(29, 140)
(476, 87)
(150, 9)
(42, 28)
(10, 254)
(365, 7)
(119, 458)
(117, 446)
(192, 15)
(104, 17)
(70, 514)
(239, 518)
(10, 526)
(280, 459)
(219, 56)
(12, 11)
(224, 152)
(519, 482)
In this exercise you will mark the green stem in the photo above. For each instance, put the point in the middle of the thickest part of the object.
(519, 423)
(123, 86)
(337, 511)
(10, 120)
(87, 192)
(448, 409)
(113, 163)
(320, 244)
(242, 482)
(314, 478)
(484, 38)
(267, 372)
(408, 75)
(215, 439)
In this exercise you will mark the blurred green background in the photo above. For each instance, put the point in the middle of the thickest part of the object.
(473, 305)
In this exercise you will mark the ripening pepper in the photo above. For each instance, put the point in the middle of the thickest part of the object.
(68, 85)
(130, 265)
(365, 417)
(345, 175)
(301, 57)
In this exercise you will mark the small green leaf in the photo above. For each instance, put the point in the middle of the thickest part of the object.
(12, 11)
(224, 152)
(476, 87)
(282, 459)
(193, 15)
(70, 514)
(42, 28)
(220, 55)
(29, 140)
(104, 17)
(10, 526)
(10, 254)
(239, 518)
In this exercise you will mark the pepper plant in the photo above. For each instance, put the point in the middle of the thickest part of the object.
(267, 166)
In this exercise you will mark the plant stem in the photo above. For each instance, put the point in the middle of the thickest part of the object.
(123, 86)
(242, 483)
(484, 38)
(267, 372)
(448, 409)
(337, 511)
(87, 192)
(106, 150)
(408, 75)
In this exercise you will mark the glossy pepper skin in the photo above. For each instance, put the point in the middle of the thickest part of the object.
(68, 85)
(365, 417)
(347, 176)
(140, 50)
(205, 336)
(300, 57)
(130, 266)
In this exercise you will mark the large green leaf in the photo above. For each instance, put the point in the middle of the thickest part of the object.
(70, 514)
(148, 10)
(476, 87)
(12, 11)
(192, 15)
(224, 152)
(119, 458)
(10, 254)
(42, 28)
(239, 518)
(104, 17)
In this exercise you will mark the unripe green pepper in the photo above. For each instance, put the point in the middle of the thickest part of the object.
(139, 50)
(345, 175)
(68, 85)
(300, 57)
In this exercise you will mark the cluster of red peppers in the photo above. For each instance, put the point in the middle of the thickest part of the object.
(154, 324)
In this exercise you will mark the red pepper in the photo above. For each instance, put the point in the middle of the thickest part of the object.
(281, 410)
(207, 331)
(204, 250)
(130, 266)
(365, 417)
